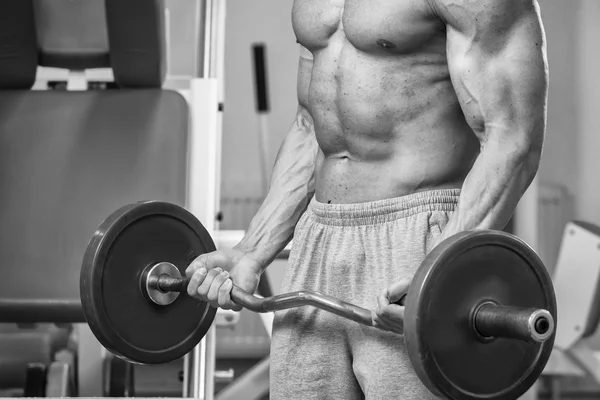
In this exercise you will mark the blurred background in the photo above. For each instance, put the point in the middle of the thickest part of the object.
(567, 190)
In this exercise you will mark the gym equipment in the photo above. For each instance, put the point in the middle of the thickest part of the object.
(121, 304)
(577, 286)
(70, 146)
(54, 380)
(479, 319)
(35, 380)
(59, 380)
(262, 108)
(119, 377)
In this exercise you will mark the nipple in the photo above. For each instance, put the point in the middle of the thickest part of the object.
(386, 44)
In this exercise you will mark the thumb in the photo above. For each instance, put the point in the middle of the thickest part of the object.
(397, 290)
(219, 259)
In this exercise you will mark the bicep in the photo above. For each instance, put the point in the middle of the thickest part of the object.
(499, 69)
(304, 122)
(301, 137)
(305, 66)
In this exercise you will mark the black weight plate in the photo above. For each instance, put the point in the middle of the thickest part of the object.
(121, 317)
(456, 276)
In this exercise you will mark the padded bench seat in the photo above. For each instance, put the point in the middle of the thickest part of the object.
(67, 161)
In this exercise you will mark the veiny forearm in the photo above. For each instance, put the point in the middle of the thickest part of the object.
(499, 178)
(497, 59)
(292, 187)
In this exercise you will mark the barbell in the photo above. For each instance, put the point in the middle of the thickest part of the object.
(479, 320)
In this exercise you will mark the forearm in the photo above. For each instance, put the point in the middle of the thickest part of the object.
(497, 181)
(497, 59)
(292, 187)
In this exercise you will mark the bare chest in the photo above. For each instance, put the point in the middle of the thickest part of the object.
(393, 26)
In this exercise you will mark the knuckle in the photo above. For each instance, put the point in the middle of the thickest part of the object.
(213, 294)
(379, 321)
(197, 278)
(202, 290)
(386, 313)
(206, 283)
(189, 271)
(199, 262)
(223, 291)
(220, 279)
(191, 290)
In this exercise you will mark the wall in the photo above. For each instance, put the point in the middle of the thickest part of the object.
(588, 83)
(181, 37)
(573, 140)
(248, 22)
(561, 146)
(571, 155)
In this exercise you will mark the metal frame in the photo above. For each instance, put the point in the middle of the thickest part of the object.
(204, 159)
(205, 95)
(576, 280)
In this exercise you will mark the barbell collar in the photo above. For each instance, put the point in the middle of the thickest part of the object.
(497, 321)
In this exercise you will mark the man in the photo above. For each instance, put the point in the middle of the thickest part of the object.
(417, 119)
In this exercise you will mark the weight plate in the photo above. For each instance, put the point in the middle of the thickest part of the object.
(460, 273)
(118, 312)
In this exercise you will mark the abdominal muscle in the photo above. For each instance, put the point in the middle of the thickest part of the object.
(386, 126)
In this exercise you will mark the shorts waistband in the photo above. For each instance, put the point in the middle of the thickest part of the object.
(385, 210)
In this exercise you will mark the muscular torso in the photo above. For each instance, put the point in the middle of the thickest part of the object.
(377, 86)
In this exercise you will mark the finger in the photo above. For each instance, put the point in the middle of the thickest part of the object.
(392, 316)
(236, 307)
(224, 297)
(380, 323)
(383, 299)
(389, 314)
(195, 281)
(206, 284)
(213, 291)
(198, 263)
(397, 290)
(382, 303)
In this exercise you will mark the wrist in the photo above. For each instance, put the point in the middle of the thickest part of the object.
(248, 258)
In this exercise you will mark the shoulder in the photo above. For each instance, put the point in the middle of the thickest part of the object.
(494, 14)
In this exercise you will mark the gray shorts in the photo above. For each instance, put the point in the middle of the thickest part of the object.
(353, 252)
